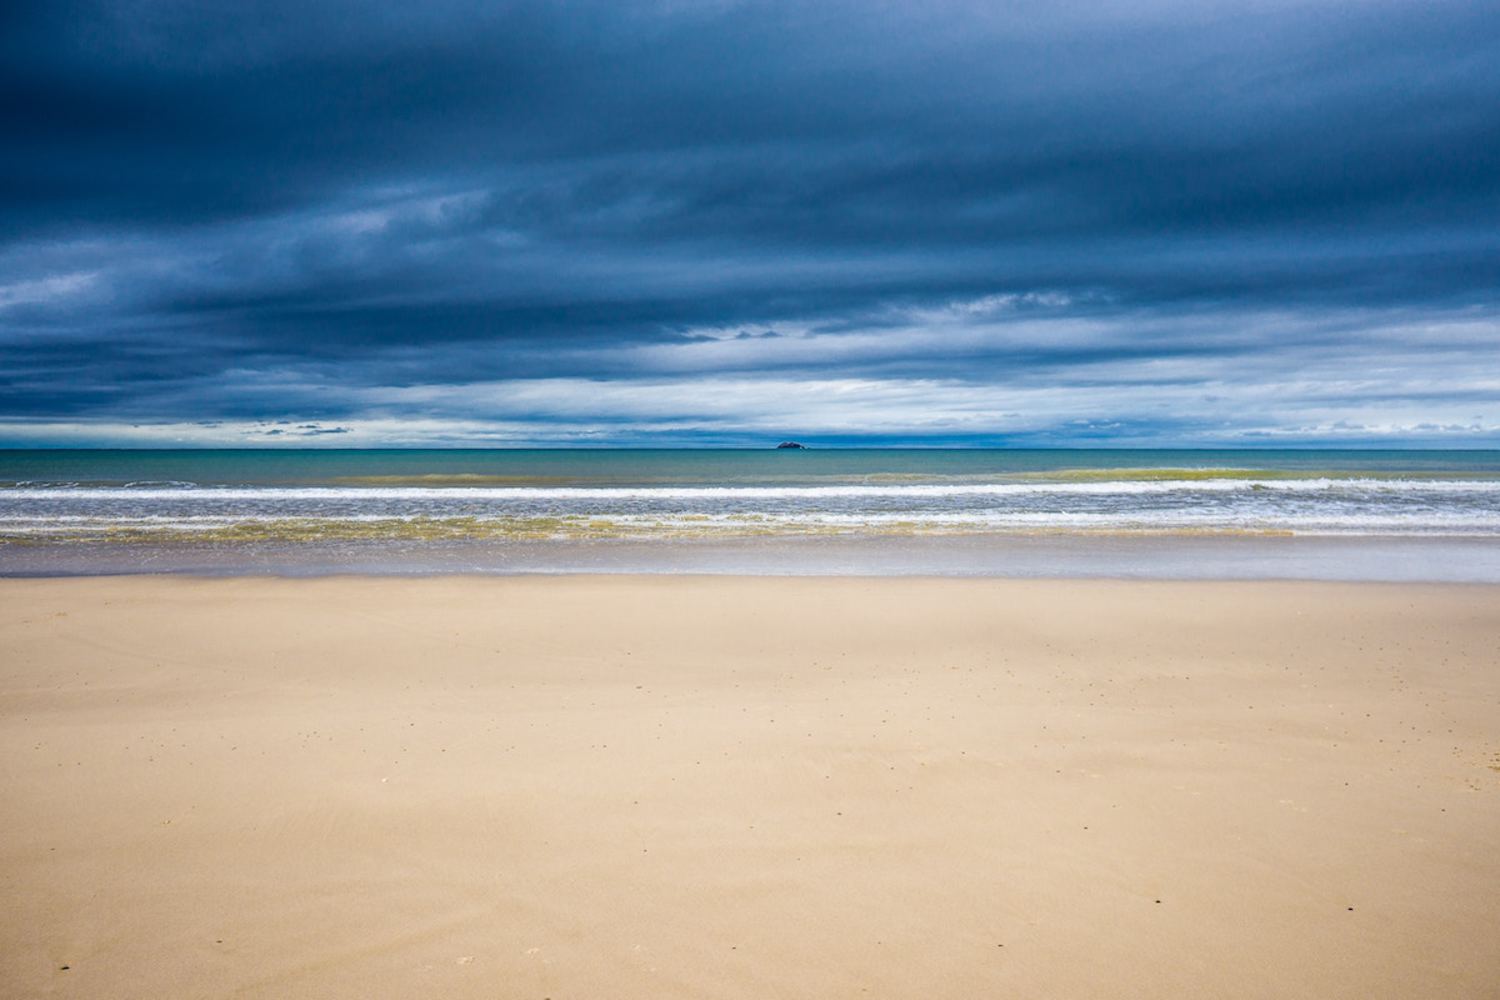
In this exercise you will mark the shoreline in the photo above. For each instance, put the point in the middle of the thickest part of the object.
(720, 786)
(626, 577)
(1174, 557)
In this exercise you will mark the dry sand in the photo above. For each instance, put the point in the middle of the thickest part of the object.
(758, 788)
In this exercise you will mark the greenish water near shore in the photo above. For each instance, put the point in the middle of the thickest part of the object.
(413, 511)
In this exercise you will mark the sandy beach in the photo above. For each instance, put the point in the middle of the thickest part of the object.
(591, 787)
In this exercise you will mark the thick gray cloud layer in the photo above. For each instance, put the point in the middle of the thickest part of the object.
(708, 222)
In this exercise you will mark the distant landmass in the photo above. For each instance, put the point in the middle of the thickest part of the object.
(791, 444)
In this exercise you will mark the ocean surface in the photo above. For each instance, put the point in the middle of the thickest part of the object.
(1230, 513)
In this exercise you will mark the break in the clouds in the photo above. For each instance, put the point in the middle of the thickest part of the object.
(364, 223)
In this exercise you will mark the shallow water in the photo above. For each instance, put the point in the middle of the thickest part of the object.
(905, 510)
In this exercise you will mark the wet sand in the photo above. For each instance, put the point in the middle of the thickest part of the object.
(737, 787)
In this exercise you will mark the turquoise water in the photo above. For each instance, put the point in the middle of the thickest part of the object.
(689, 467)
(275, 510)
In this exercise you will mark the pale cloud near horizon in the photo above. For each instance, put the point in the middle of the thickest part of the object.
(720, 410)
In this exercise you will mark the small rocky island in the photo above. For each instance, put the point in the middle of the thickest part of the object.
(791, 444)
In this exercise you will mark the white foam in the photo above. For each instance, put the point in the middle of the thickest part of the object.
(913, 491)
(1387, 523)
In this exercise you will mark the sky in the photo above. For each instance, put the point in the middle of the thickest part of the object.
(365, 223)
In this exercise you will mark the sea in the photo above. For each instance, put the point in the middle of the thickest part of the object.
(1294, 514)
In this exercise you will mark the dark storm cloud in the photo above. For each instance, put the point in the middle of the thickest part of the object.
(335, 210)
